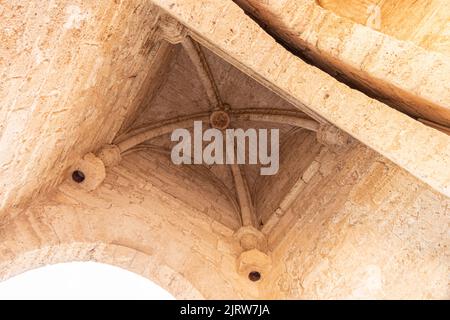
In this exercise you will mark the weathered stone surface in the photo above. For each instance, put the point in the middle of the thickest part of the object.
(88, 173)
(358, 209)
(367, 230)
(153, 232)
(402, 73)
(389, 132)
(424, 22)
(70, 74)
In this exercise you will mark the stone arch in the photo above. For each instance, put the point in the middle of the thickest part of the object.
(126, 258)
(132, 223)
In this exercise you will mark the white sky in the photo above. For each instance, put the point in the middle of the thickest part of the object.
(81, 280)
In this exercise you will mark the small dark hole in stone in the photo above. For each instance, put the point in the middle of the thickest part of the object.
(78, 176)
(254, 276)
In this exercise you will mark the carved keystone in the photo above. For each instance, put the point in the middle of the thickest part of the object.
(219, 119)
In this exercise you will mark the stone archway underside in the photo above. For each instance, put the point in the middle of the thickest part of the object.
(340, 221)
(160, 236)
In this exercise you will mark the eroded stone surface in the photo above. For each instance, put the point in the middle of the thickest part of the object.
(70, 74)
(339, 220)
(405, 75)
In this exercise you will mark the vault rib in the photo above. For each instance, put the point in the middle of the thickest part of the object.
(248, 217)
(420, 150)
(276, 117)
(143, 134)
(204, 72)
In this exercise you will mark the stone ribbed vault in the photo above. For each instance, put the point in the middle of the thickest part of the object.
(359, 208)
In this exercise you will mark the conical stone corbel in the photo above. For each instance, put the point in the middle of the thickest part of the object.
(110, 155)
(330, 136)
(253, 262)
(171, 30)
(88, 173)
